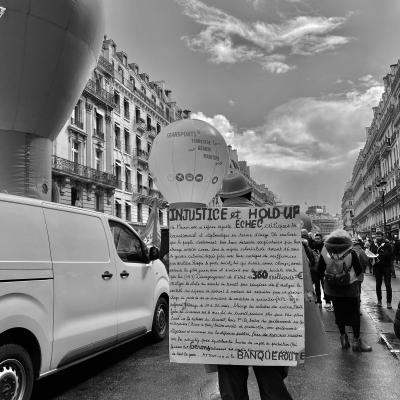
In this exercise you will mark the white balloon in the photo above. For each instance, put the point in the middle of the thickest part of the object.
(48, 50)
(189, 159)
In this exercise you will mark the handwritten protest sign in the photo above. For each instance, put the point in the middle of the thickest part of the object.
(236, 286)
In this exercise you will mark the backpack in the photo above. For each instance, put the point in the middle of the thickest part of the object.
(337, 273)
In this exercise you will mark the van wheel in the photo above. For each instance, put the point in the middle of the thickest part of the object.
(16, 373)
(160, 320)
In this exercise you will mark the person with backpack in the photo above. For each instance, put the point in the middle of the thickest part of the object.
(341, 269)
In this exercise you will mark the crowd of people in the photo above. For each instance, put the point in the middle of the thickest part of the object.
(338, 263)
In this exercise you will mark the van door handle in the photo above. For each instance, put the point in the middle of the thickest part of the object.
(124, 274)
(107, 275)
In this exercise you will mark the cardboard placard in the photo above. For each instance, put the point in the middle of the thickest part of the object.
(236, 286)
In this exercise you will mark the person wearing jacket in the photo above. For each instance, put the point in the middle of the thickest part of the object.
(382, 269)
(346, 298)
(232, 379)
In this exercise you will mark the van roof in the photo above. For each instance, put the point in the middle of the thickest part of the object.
(42, 203)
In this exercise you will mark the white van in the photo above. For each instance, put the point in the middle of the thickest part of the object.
(73, 283)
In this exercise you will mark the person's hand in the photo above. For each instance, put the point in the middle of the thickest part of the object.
(360, 277)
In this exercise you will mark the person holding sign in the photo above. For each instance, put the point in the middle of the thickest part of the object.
(232, 379)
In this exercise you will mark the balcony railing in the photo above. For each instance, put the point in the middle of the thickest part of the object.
(141, 155)
(77, 123)
(142, 189)
(106, 65)
(117, 108)
(139, 125)
(100, 94)
(155, 193)
(151, 131)
(128, 187)
(127, 115)
(99, 134)
(71, 168)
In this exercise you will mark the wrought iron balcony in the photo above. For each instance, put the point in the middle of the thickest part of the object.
(81, 172)
(99, 94)
(99, 134)
(155, 193)
(77, 123)
(151, 131)
(141, 155)
(105, 65)
(142, 189)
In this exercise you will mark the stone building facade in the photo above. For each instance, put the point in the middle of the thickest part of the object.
(376, 170)
(100, 158)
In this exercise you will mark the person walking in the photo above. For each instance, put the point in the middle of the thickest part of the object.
(317, 280)
(342, 272)
(382, 269)
(313, 258)
(232, 379)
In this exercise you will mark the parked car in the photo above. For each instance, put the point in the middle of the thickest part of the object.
(73, 284)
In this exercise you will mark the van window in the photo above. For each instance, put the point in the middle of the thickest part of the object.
(23, 235)
(76, 237)
(128, 245)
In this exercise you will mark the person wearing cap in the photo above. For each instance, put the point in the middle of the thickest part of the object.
(346, 298)
(232, 379)
(382, 269)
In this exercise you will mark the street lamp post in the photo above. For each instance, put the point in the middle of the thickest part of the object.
(381, 185)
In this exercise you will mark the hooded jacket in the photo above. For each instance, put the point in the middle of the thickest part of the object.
(337, 244)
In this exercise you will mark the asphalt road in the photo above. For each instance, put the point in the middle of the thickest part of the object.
(142, 371)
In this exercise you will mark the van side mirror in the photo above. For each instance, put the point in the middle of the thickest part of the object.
(154, 253)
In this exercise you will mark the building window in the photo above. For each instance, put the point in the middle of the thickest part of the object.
(139, 181)
(132, 80)
(127, 141)
(99, 159)
(118, 171)
(128, 184)
(138, 143)
(126, 108)
(117, 102)
(99, 130)
(117, 132)
(76, 196)
(128, 213)
(148, 147)
(148, 123)
(77, 115)
(137, 115)
(118, 211)
(139, 212)
(160, 217)
(99, 202)
(76, 151)
(158, 128)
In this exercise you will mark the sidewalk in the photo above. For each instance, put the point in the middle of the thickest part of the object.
(344, 374)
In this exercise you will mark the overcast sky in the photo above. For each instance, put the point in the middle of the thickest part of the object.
(290, 84)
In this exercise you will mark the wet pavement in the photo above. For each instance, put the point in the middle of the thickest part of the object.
(383, 317)
(141, 370)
